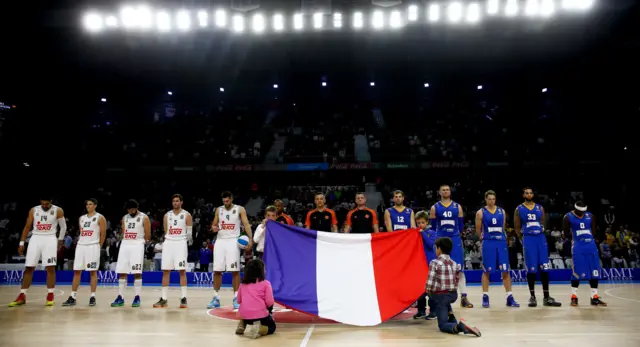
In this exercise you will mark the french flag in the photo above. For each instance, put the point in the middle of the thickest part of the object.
(356, 279)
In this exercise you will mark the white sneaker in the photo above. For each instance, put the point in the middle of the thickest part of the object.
(253, 330)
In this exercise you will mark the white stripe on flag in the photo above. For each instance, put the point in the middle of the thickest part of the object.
(346, 283)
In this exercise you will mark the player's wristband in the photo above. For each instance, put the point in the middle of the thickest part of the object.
(21, 243)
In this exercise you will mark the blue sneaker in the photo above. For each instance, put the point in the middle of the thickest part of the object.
(119, 302)
(136, 301)
(235, 304)
(485, 301)
(214, 303)
(511, 302)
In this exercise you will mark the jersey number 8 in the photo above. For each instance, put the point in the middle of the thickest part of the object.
(494, 221)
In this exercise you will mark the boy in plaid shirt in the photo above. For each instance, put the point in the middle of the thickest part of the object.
(442, 288)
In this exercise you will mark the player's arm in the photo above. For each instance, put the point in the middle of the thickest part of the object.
(347, 222)
(63, 226)
(165, 227)
(432, 217)
(543, 219)
(516, 223)
(413, 220)
(147, 228)
(374, 222)
(102, 223)
(387, 220)
(334, 222)
(189, 222)
(124, 230)
(460, 219)
(214, 225)
(566, 227)
(247, 226)
(25, 232)
(479, 223)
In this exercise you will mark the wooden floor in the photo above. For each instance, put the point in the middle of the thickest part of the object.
(38, 326)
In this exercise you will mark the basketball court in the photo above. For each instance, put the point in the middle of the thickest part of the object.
(37, 325)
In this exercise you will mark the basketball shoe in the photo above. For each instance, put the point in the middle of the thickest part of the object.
(20, 300)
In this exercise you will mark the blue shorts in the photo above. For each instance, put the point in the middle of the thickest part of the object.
(536, 253)
(457, 252)
(586, 266)
(495, 256)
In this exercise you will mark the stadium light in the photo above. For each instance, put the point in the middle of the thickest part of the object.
(337, 20)
(183, 20)
(577, 4)
(203, 19)
(412, 13)
(548, 8)
(103, 100)
(434, 12)
(258, 23)
(111, 21)
(454, 12)
(27, 164)
(511, 10)
(238, 23)
(144, 17)
(473, 13)
(532, 8)
(493, 7)
(128, 17)
(93, 22)
(275, 86)
(170, 92)
(479, 87)
(395, 19)
(373, 84)
(358, 20)
(221, 18)
(163, 21)
(544, 90)
(426, 85)
(324, 84)
(221, 90)
(318, 19)
(377, 19)
(278, 22)
(298, 21)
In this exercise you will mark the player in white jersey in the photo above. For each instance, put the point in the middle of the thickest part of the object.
(178, 228)
(136, 229)
(93, 232)
(226, 253)
(43, 222)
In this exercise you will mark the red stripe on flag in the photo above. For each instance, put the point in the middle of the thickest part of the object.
(400, 269)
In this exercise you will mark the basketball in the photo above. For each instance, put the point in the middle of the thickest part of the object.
(243, 241)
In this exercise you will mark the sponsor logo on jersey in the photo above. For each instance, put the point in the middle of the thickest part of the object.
(175, 231)
(228, 226)
(87, 233)
(43, 227)
(137, 220)
(130, 236)
(181, 216)
(94, 219)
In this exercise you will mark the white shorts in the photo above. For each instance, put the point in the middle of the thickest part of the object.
(226, 255)
(87, 257)
(174, 255)
(130, 258)
(42, 247)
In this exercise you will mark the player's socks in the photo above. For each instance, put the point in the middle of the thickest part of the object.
(24, 291)
(594, 292)
(165, 291)
(74, 294)
(183, 291)
(137, 285)
(93, 294)
(122, 284)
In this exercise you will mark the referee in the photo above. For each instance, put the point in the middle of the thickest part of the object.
(321, 218)
(361, 220)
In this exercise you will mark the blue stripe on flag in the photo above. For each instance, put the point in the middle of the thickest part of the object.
(290, 261)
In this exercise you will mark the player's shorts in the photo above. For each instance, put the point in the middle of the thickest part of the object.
(457, 252)
(586, 266)
(42, 247)
(536, 253)
(495, 256)
(87, 257)
(226, 255)
(174, 255)
(130, 258)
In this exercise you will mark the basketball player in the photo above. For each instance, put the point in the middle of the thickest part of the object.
(577, 225)
(447, 219)
(269, 214)
(178, 229)
(398, 217)
(93, 232)
(361, 220)
(136, 229)
(226, 253)
(534, 246)
(43, 221)
(321, 218)
(282, 217)
(491, 223)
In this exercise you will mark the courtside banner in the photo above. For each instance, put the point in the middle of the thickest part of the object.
(356, 279)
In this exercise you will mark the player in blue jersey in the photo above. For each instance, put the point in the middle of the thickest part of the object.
(491, 222)
(447, 219)
(399, 217)
(578, 225)
(428, 239)
(529, 222)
